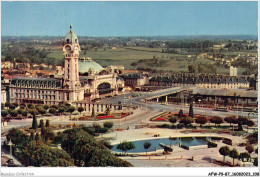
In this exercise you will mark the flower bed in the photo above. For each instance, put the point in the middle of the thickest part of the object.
(84, 118)
(160, 119)
(105, 117)
(124, 114)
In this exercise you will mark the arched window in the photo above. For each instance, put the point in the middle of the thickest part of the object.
(76, 40)
(68, 41)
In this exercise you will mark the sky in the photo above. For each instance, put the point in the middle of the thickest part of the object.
(130, 18)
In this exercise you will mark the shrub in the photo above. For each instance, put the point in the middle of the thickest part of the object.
(108, 124)
(42, 111)
(52, 110)
(173, 120)
(201, 120)
(102, 130)
(46, 107)
(19, 111)
(54, 106)
(31, 106)
(216, 120)
(186, 120)
(4, 113)
(14, 113)
(11, 106)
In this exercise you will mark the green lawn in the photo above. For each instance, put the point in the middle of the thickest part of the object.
(56, 54)
(127, 56)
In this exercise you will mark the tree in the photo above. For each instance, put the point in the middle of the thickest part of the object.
(47, 123)
(231, 120)
(32, 111)
(19, 111)
(107, 144)
(173, 120)
(80, 109)
(61, 110)
(180, 115)
(31, 106)
(24, 113)
(147, 145)
(241, 121)
(39, 154)
(201, 120)
(13, 113)
(12, 106)
(22, 107)
(46, 107)
(244, 157)
(34, 122)
(250, 123)
(71, 109)
(93, 114)
(47, 133)
(250, 148)
(191, 110)
(41, 124)
(125, 146)
(2, 106)
(54, 106)
(42, 111)
(4, 113)
(224, 151)
(7, 104)
(216, 120)
(37, 137)
(234, 154)
(108, 124)
(18, 138)
(87, 151)
(32, 136)
(52, 110)
(186, 120)
(256, 162)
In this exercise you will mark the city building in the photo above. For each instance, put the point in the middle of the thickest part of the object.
(233, 71)
(200, 80)
(224, 97)
(81, 79)
(134, 80)
(3, 94)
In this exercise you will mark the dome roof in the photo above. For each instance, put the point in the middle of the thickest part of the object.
(71, 37)
(86, 64)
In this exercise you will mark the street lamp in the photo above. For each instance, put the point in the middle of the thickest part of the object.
(199, 100)
(10, 144)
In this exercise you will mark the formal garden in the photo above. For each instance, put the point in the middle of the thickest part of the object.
(43, 144)
(23, 111)
(202, 123)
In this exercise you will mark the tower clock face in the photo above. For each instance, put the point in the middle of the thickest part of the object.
(76, 48)
(68, 49)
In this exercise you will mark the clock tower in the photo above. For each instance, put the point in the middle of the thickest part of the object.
(71, 51)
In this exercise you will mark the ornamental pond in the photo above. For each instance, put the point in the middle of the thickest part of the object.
(187, 141)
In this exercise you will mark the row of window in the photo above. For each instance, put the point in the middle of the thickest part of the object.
(35, 91)
(35, 94)
(36, 85)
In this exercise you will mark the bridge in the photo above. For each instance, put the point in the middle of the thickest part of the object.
(166, 92)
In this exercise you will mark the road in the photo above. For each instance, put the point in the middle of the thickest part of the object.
(139, 101)
(141, 115)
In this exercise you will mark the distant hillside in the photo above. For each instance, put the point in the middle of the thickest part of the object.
(198, 37)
